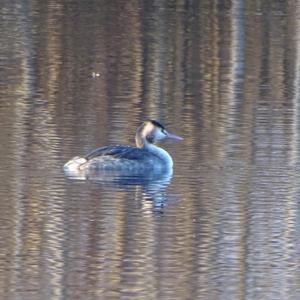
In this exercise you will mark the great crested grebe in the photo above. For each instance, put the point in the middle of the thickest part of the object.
(145, 157)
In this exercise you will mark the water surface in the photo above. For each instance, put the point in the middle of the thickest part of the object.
(79, 75)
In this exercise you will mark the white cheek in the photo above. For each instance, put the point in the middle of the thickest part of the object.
(159, 135)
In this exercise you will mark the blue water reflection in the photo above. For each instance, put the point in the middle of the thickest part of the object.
(152, 186)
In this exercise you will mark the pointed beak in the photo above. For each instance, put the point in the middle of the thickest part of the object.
(174, 137)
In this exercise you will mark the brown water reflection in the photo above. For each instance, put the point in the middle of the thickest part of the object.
(77, 75)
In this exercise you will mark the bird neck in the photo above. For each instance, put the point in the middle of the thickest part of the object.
(143, 137)
(160, 153)
(155, 150)
(140, 142)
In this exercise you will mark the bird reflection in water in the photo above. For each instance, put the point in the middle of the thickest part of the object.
(150, 188)
(146, 165)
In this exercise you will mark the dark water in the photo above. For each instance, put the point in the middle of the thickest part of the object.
(76, 75)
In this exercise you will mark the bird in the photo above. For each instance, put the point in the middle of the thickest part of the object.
(144, 158)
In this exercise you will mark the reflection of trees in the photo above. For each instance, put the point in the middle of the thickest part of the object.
(226, 75)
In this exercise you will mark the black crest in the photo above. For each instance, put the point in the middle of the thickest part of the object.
(157, 124)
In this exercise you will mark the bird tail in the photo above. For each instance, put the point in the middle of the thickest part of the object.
(74, 165)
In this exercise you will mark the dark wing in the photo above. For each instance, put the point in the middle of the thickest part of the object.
(117, 151)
